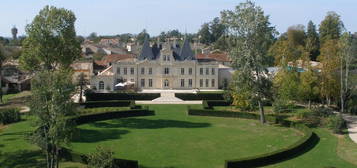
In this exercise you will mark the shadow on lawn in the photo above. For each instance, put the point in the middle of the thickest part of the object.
(89, 135)
(21, 159)
(140, 123)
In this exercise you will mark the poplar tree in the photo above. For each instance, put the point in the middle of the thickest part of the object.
(253, 36)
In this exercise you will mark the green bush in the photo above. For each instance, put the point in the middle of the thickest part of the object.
(108, 103)
(336, 123)
(101, 158)
(322, 111)
(9, 115)
(90, 96)
(309, 118)
(282, 106)
(200, 96)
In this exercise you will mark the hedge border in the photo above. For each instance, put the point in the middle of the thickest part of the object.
(121, 96)
(263, 159)
(108, 103)
(70, 155)
(200, 96)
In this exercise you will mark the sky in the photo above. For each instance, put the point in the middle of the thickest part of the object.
(111, 17)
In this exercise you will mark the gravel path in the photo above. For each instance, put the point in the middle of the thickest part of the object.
(352, 126)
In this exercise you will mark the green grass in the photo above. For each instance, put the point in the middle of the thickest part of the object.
(173, 139)
(158, 141)
(322, 155)
(6, 98)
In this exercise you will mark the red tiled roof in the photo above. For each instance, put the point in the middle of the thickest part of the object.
(114, 58)
(223, 57)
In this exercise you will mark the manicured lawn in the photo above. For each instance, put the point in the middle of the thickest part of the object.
(173, 139)
(321, 156)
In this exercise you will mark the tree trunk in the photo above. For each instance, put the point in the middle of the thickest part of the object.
(80, 94)
(261, 111)
(309, 104)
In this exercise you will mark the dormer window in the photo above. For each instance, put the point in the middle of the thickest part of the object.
(164, 57)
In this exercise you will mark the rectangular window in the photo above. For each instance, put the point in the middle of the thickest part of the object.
(150, 71)
(207, 71)
(213, 83)
(142, 82)
(201, 71)
(213, 71)
(182, 82)
(142, 71)
(190, 82)
(201, 82)
(190, 71)
(207, 82)
(182, 71)
(119, 80)
(125, 71)
(118, 70)
(132, 71)
(124, 80)
(166, 71)
(131, 80)
(150, 82)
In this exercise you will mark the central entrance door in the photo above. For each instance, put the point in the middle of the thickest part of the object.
(166, 84)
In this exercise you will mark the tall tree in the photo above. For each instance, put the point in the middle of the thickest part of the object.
(346, 54)
(308, 88)
(217, 29)
(49, 50)
(330, 30)
(204, 34)
(296, 35)
(51, 40)
(249, 56)
(312, 41)
(330, 61)
(51, 104)
(2, 59)
(331, 27)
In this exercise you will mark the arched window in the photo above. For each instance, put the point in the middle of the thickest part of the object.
(101, 85)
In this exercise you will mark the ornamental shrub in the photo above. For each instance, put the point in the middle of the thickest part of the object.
(9, 115)
(101, 158)
(336, 123)
(282, 106)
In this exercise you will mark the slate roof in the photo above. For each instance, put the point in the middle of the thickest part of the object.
(146, 51)
(179, 53)
(186, 51)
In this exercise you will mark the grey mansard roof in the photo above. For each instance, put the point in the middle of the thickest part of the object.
(186, 51)
(146, 51)
(179, 53)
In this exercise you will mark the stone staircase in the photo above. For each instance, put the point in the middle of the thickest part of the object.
(167, 97)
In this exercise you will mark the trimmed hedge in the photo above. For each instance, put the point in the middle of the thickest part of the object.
(264, 159)
(70, 155)
(209, 104)
(109, 103)
(121, 96)
(200, 96)
(9, 115)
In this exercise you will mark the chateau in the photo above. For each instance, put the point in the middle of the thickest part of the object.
(164, 66)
